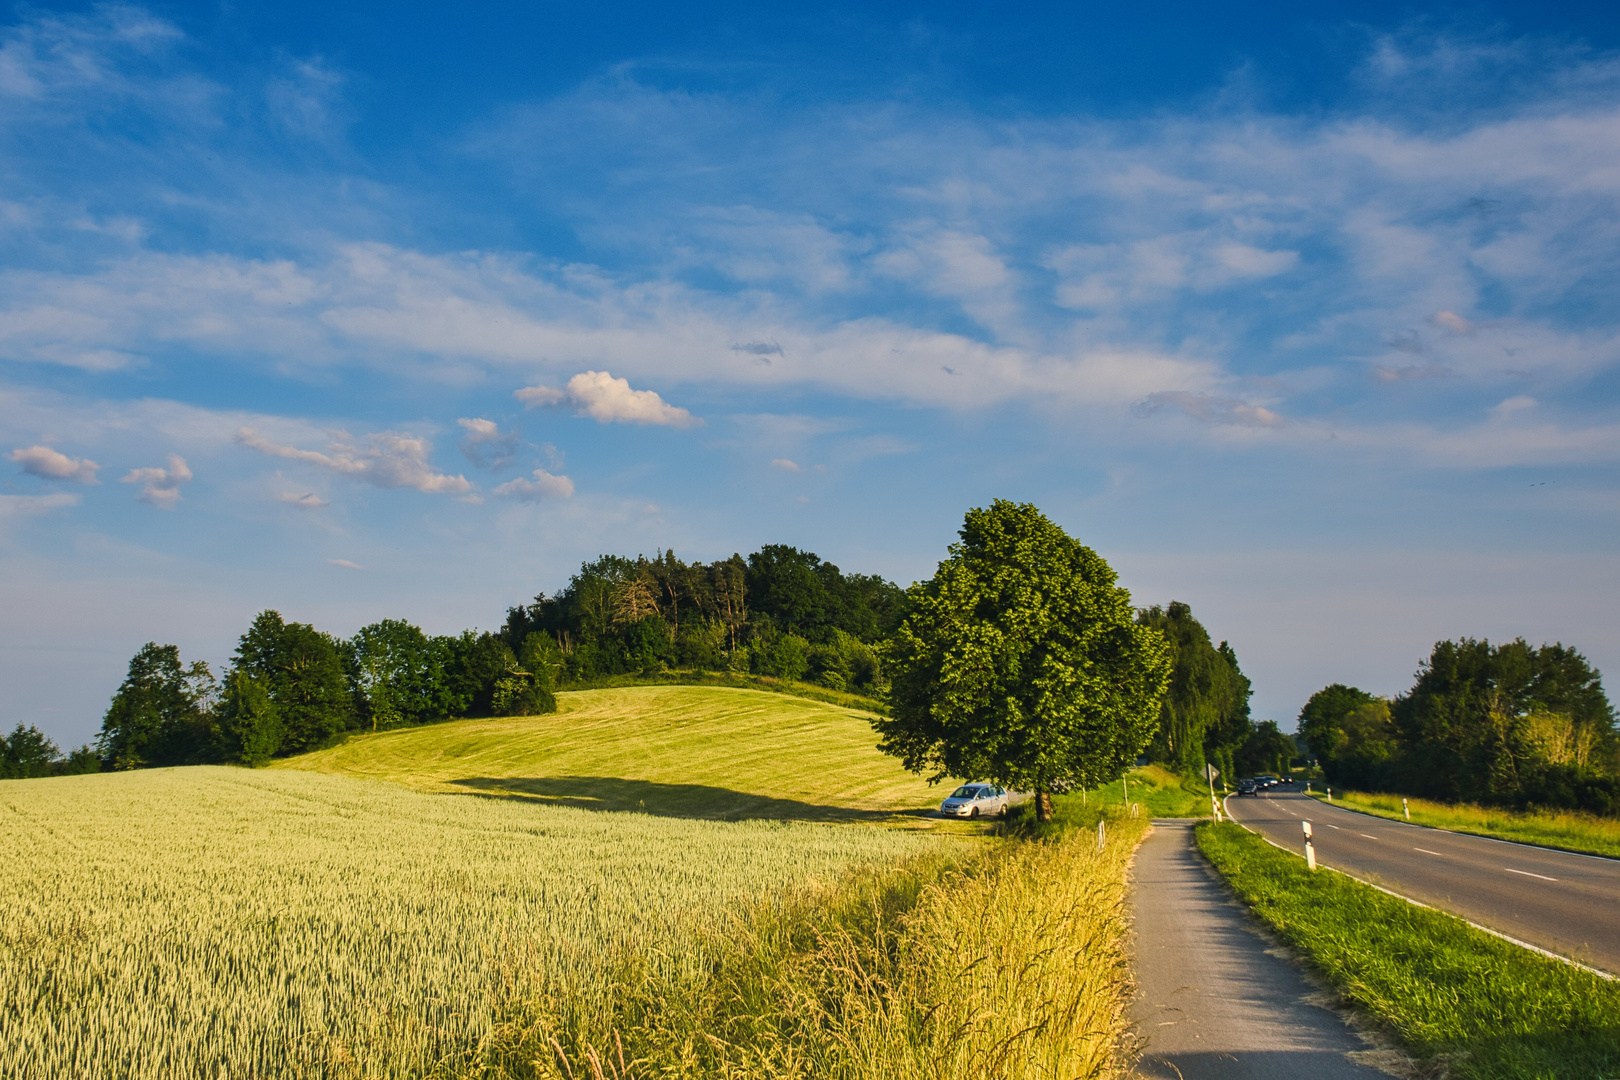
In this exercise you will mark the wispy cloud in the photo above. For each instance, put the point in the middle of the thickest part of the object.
(542, 485)
(32, 505)
(307, 501)
(160, 486)
(49, 464)
(389, 459)
(486, 445)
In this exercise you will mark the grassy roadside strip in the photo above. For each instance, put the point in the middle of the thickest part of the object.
(1455, 996)
(1566, 830)
(1005, 959)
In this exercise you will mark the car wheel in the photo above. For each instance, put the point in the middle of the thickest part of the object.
(975, 812)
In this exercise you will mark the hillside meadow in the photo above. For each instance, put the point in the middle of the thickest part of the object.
(691, 751)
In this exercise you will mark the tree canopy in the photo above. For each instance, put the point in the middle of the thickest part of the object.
(1205, 712)
(1021, 662)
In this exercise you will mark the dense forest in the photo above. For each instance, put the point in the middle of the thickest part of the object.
(1511, 725)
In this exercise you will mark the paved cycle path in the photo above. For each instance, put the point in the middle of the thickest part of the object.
(1212, 1003)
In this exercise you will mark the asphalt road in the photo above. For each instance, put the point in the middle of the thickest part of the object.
(1565, 903)
(1214, 1001)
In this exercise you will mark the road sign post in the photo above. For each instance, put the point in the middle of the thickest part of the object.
(1214, 803)
(1310, 848)
(1407, 810)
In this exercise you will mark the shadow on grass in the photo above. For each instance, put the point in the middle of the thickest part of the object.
(614, 794)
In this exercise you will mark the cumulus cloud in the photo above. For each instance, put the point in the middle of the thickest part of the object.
(607, 400)
(542, 485)
(389, 459)
(307, 501)
(42, 461)
(1209, 409)
(485, 444)
(160, 486)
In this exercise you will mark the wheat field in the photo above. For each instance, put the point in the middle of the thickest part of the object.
(220, 922)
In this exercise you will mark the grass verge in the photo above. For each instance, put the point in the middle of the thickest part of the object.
(1456, 997)
(1565, 829)
(1009, 962)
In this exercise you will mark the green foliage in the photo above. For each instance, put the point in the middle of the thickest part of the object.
(1204, 715)
(159, 716)
(1266, 750)
(303, 671)
(1485, 1008)
(1513, 724)
(785, 656)
(28, 753)
(1020, 662)
(249, 723)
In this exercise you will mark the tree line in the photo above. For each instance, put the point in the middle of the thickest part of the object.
(1510, 725)
(779, 612)
(291, 688)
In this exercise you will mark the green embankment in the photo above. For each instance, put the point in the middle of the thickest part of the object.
(1565, 829)
(688, 751)
(1459, 999)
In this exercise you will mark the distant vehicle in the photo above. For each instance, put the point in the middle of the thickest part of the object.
(1246, 786)
(975, 800)
(1286, 780)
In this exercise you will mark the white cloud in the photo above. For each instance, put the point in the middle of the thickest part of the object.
(1515, 404)
(1210, 409)
(390, 459)
(344, 564)
(785, 465)
(32, 505)
(42, 461)
(479, 430)
(307, 501)
(607, 400)
(543, 485)
(160, 486)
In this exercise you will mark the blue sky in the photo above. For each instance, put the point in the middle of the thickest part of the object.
(404, 310)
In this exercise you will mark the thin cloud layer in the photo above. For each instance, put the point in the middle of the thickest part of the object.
(607, 400)
(50, 464)
(389, 459)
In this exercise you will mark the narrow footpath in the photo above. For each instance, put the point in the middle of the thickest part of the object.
(1211, 1002)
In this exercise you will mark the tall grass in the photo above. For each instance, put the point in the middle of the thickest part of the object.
(235, 923)
(1009, 963)
(1469, 1004)
(1567, 829)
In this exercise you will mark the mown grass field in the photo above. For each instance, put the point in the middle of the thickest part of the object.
(689, 751)
(1464, 1003)
(1565, 829)
(228, 922)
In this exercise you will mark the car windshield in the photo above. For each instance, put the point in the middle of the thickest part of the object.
(966, 791)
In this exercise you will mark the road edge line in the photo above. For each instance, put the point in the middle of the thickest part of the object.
(1460, 832)
(1418, 903)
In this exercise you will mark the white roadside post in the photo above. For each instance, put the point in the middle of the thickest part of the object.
(1407, 810)
(1330, 794)
(1214, 803)
(1099, 836)
(1310, 848)
(1125, 788)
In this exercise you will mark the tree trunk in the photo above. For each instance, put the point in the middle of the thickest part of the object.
(1043, 805)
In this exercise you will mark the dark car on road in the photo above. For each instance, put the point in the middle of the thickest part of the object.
(1246, 786)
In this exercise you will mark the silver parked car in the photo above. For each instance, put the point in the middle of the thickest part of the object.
(975, 800)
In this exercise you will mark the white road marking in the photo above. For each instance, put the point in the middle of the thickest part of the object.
(1368, 837)
(1426, 851)
(1527, 873)
(1330, 826)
